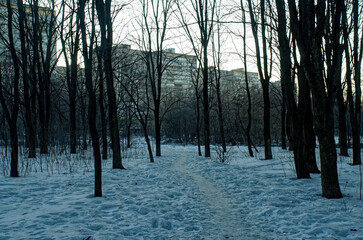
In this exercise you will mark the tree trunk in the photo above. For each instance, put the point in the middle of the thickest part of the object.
(105, 22)
(147, 139)
(92, 119)
(206, 103)
(12, 116)
(102, 106)
(343, 138)
(309, 37)
(328, 156)
(248, 129)
(92, 106)
(72, 105)
(14, 149)
(157, 129)
(283, 125)
(357, 62)
(287, 85)
(29, 124)
(198, 122)
(263, 74)
(309, 134)
(266, 120)
(220, 114)
(129, 136)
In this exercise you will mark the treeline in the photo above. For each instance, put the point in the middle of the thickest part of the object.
(105, 92)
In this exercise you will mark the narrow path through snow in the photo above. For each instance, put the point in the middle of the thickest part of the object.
(229, 225)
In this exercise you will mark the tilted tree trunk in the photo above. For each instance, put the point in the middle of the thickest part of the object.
(147, 139)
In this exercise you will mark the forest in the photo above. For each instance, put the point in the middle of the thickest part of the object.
(68, 83)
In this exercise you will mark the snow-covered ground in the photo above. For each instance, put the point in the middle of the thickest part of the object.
(180, 196)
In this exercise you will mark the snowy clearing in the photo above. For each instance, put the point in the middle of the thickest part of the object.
(180, 196)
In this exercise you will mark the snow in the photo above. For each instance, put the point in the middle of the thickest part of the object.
(180, 196)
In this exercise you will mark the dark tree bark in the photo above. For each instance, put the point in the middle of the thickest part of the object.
(92, 106)
(128, 128)
(46, 64)
(205, 95)
(105, 24)
(309, 36)
(296, 112)
(283, 125)
(309, 133)
(354, 105)
(195, 76)
(263, 73)
(29, 120)
(198, 124)
(343, 137)
(11, 109)
(101, 104)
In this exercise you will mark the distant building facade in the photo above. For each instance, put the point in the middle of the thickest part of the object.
(45, 15)
(180, 70)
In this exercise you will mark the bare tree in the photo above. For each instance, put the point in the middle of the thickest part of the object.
(105, 24)
(134, 81)
(87, 50)
(70, 39)
(309, 37)
(203, 12)
(356, 54)
(45, 56)
(342, 108)
(10, 103)
(296, 110)
(155, 18)
(216, 74)
(248, 128)
(265, 71)
(101, 102)
(28, 93)
(195, 77)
